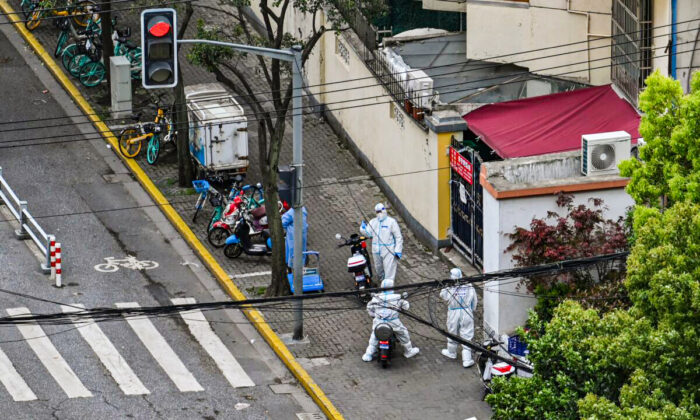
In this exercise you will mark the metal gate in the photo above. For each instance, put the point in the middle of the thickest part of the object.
(466, 198)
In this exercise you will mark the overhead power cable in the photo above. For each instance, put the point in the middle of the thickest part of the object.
(397, 73)
(291, 113)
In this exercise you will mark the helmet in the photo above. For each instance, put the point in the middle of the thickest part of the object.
(237, 201)
(455, 274)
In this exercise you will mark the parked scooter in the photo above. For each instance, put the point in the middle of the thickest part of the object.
(239, 207)
(240, 241)
(387, 343)
(488, 367)
(359, 263)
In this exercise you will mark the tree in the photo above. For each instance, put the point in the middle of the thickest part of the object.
(582, 232)
(643, 362)
(271, 113)
(180, 121)
(670, 163)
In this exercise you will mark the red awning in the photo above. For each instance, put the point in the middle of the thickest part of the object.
(552, 123)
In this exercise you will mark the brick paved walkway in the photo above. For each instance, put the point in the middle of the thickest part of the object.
(427, 386)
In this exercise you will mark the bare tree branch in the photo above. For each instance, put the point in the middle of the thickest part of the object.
(261, 60)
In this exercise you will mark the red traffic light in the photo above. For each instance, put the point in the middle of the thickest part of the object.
(159, 29)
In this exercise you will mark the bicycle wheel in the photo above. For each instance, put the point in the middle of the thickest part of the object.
(128, 149)
(92, 73)
(81, 13)
(68, 54)
(60, 43)
(76, 63)
(34, 19)
(153, 149)
(27, 8)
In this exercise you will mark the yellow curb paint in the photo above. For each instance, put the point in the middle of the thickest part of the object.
(255, 317)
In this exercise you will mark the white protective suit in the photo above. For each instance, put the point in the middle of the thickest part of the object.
(387, 243)
(461, 303)
(382, 308)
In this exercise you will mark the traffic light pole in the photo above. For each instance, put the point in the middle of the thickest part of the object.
(293, 56)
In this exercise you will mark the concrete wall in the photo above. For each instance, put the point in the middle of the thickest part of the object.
(504, 312)
(496, 28)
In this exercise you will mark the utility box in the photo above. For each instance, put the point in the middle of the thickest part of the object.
(218, 132)
(120, 86)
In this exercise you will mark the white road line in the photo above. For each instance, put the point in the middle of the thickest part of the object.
(161, 351)
(50, 357)
(256, 274)
(108, 354)
(15, 385)
(202, 331)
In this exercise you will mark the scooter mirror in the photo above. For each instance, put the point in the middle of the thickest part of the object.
(337, 236)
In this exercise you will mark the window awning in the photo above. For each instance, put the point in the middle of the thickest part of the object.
(552, 123)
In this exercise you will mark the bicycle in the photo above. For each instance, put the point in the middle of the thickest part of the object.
(68, 30)
(122, 46)
(74, 56)
(88, 67)
(35, 10)
(131, 137)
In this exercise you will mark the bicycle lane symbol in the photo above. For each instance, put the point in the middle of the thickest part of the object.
(112, 264)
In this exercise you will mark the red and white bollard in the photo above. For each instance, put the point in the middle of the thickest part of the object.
(53, 258)
(58, 265)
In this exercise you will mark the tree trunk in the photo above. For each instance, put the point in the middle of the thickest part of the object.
(107, 47)
(279, 285)
(184, 163)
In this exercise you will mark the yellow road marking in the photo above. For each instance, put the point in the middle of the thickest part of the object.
(253, 315)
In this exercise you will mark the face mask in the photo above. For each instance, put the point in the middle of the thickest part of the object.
(382, 216)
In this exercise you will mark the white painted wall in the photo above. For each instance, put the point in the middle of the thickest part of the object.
(502, 312)
(496, 28)
(389, 138)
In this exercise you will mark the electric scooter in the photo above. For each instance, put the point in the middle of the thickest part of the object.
(239, 242)
(359, 263)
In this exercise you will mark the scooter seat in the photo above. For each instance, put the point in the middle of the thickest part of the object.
(258, 212)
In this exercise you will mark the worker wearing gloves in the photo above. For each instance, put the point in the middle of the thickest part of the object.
(383, 308)
(288, 226)
(387, 242)
(461, 303)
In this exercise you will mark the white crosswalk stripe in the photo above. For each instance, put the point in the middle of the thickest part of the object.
(15, 385)
(50, 357)
(161, 351)
(127, 380)
(202, 331)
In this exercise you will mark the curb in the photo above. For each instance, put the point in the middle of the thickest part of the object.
(253, 315)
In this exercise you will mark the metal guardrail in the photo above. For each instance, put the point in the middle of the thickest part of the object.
(28, 226)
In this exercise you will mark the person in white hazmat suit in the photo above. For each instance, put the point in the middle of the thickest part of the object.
(461, 303)
(383, 308)
(387, 242)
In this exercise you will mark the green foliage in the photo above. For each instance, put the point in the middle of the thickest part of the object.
(641, 363)
(670, 160)
(209, 56)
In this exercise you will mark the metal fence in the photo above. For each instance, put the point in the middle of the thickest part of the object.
(28, 226)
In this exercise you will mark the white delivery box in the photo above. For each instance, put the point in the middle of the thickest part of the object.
(218, 131)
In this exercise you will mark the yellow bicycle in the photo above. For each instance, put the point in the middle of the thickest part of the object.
(35, 10)
(161, 129)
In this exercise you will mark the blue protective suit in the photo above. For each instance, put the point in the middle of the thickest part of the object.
(288, 226)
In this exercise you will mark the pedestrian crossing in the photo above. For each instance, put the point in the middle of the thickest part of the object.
(149, 337)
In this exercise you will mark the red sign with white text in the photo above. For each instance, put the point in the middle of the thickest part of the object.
(461, 165)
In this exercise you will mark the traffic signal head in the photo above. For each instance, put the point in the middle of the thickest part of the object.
(159, 48)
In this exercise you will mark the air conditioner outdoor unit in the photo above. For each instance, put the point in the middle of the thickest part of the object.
(602, 152)
(421, 89)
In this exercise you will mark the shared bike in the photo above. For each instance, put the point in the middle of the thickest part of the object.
(160, 130)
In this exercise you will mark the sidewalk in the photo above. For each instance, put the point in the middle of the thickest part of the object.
(422, 387)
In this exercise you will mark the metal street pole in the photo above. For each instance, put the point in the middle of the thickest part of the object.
(297, 163)
(293, 56)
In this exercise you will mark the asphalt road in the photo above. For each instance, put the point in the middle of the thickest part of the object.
(73, 187)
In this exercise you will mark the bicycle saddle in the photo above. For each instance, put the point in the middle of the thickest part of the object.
(130, 45)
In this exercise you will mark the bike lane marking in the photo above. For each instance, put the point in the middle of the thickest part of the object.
(117, 366)
(15, 385)
(161, 351)
(202, 331)
(50, 357)
(254, 316)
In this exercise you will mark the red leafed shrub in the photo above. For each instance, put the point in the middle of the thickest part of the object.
(581, 232)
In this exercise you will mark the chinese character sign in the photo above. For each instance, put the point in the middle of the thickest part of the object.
(461, 165)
